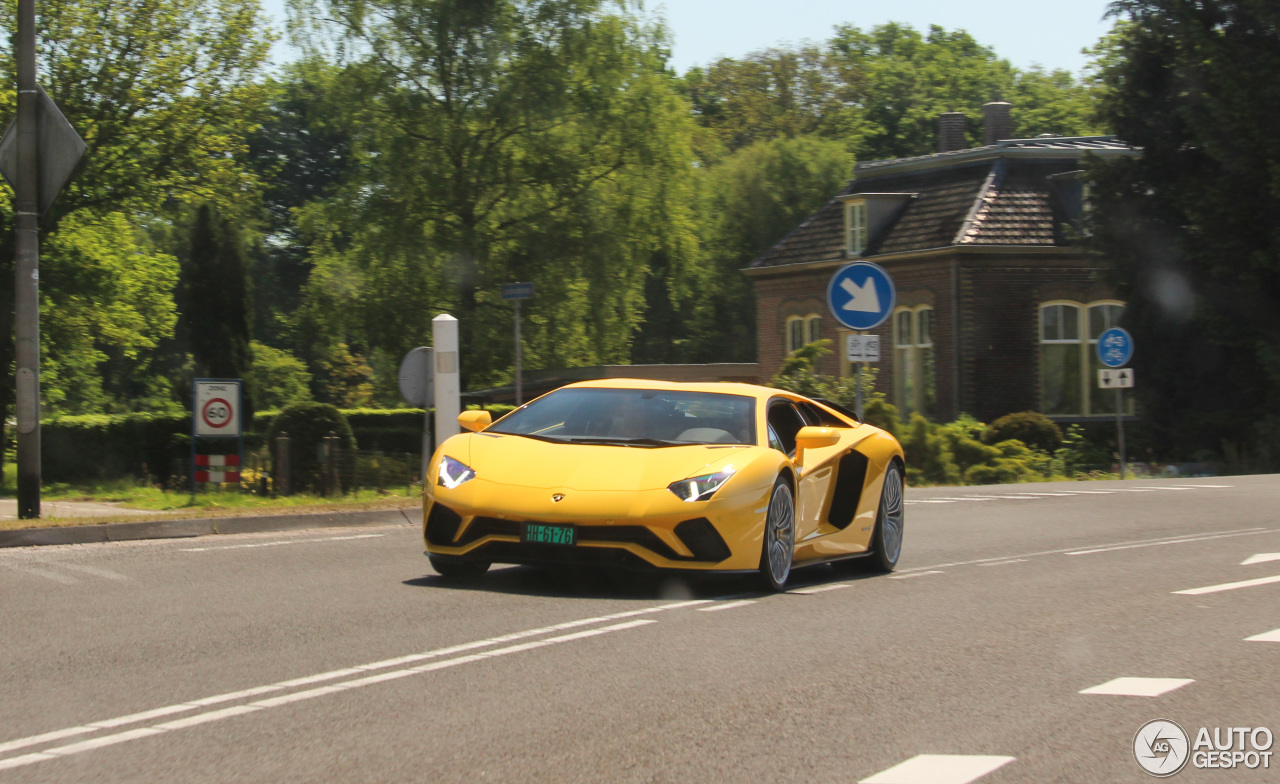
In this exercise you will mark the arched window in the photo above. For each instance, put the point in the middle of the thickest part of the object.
(914, 382)
(802, 329)
(1068, 356)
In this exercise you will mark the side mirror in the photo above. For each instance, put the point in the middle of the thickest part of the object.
(814, 438)
(475, 421)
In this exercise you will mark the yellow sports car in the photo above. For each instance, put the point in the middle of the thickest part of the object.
(650, 474)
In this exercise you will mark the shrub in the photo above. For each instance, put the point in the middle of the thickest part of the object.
(307, 424)
(1031, 428)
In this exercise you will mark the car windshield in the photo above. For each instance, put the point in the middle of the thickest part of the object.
(641, 417)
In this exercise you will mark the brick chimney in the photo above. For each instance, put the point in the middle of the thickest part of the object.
(951, 127)
(997, 123)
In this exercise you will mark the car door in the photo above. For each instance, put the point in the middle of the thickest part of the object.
(814, 477)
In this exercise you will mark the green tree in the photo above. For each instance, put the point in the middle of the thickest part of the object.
(493, 142)
(276, 378)
(215, 311)
(1189, 226)
(162, 91)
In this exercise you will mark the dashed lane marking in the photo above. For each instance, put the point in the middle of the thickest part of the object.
(1138, 687)
(1273, 636)
(1006, 562)
(939, 769)
(278, 543)
(1230, 586)
(104, 573)
(57, 577)
(913, 574)
(1058, 492)
(821, 589)
(727, 605)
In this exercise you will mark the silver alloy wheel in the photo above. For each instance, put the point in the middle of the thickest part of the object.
(892, 516)
(780, 534)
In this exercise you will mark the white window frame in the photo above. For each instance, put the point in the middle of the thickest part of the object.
(909, 359)
(855, 227)
(1088, 348)
(807, 330)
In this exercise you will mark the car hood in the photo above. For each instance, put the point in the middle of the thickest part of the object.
(526, 462)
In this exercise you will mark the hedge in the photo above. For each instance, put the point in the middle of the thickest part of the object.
(107, 446)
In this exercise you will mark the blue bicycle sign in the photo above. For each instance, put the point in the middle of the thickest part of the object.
(1115, 347)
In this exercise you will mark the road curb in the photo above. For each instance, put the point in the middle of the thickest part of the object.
(213, 526)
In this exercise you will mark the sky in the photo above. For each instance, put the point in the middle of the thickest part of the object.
(1026, 33)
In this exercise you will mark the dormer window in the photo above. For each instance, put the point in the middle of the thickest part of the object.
(855, 221)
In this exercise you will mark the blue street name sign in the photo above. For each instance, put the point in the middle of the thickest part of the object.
(517, 291)
(861, 295)
(1115, 347)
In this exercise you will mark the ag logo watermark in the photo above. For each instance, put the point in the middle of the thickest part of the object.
(1162, 748)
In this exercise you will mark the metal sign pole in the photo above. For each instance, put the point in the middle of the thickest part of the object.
(27, 267)
(519, 380)
(1120, 428)
(859, 391)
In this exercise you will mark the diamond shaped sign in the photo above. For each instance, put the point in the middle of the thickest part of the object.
(60, 151)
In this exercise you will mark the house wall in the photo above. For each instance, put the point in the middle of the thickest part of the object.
(999, 297)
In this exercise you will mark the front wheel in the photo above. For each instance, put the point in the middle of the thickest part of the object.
(457, 568)
(779, 537)
(886, 541)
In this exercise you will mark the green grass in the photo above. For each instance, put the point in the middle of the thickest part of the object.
(169, 504)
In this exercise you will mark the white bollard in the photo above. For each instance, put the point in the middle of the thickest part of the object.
(444, 339)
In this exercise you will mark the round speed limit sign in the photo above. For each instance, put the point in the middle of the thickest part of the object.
(216, 413)
(217, 407)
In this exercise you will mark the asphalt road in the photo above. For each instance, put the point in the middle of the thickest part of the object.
(337, 655)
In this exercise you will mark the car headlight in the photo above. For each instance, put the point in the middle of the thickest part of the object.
(453, 473)
(701, 488)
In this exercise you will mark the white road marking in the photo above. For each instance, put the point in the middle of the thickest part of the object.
(1166, 487)
(1135, 489)
(939, 769)
(727, 605)
(65, 579)
(240, 710)
(277, 544)
(1138, 687)
(35, 740)
(1183, 540)
(110, 575)
(1002, 563)
(1230, 586)
(913, 574)
(1045, 494)
(1265, 637)
(821, 589)
(1061, 550)
(1260, 558)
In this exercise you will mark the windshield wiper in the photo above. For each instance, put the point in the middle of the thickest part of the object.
(607, 440)
(534, 436)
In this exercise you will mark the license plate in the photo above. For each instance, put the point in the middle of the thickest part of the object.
(542, 533)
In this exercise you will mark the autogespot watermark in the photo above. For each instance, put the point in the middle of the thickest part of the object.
(1162, 748)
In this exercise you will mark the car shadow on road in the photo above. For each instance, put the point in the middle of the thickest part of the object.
(587, 583)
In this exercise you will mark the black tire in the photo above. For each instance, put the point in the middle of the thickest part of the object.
(779, 537)
(457, 568)
(886, 539)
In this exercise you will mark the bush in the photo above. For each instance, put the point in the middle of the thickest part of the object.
(307, 424)
(1031, 428)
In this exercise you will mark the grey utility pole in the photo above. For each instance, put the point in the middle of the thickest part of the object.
(26, 289)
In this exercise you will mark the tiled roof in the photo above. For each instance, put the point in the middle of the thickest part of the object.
(1002, 194)
(935, 216)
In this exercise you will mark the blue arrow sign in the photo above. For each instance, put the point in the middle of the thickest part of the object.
(861, 295)
(1115, 347)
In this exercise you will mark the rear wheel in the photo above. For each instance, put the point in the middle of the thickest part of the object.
(779, 537)
(886, 541)
(457, 568)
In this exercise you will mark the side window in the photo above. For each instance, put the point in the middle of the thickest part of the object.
(817, 417)
(785, 421)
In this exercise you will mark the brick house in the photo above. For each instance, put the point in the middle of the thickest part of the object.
(998, 309)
